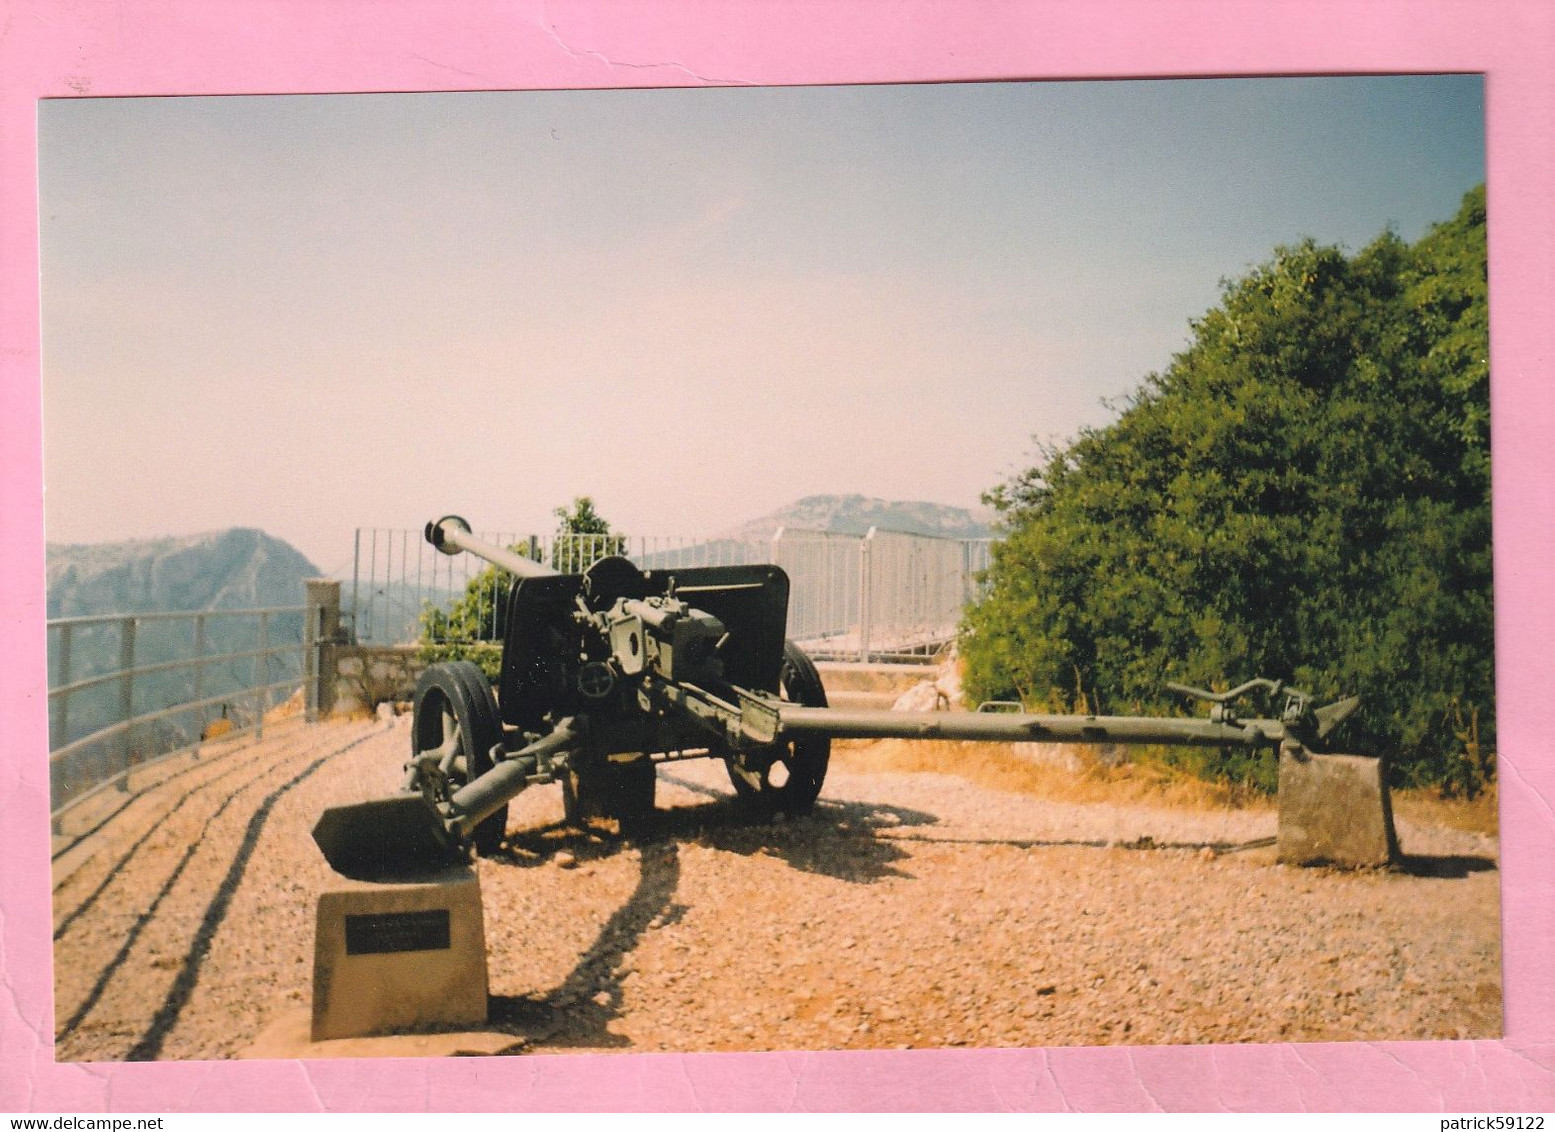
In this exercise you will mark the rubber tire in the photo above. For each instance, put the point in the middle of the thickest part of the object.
(805, 759)
(464, 687)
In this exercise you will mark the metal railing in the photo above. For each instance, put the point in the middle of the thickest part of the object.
(886, 595)
(913, 589)
(128, 690)
(397, 577)
(823, 585)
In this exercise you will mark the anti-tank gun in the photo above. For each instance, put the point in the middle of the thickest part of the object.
(608, 672)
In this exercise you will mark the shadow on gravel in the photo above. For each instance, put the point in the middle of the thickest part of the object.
(822, 843)
(1142, 843)
(844, 840)
(1445, 868)
(840, 839)
(537, 847)
(577, 1013)
(837, 839)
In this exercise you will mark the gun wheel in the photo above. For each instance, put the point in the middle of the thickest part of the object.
(786, 779)
(455, 718)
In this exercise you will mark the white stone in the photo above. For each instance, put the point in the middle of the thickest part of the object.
(398, 957)
(920, 697)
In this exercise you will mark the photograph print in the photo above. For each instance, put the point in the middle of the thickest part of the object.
(970, 565)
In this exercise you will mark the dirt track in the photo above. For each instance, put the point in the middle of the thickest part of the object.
(909, 910)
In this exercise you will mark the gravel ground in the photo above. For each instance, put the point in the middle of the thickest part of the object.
(908, 910)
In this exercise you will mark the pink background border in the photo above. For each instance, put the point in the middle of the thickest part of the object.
(74, 47)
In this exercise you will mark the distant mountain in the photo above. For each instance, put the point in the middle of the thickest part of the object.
(239, 568)
(223, 570)
(855, 514)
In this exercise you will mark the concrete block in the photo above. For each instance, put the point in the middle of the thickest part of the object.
(1335, 810)
(399, 957)
(287, 1038)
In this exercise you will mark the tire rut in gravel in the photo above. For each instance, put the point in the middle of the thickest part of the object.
(151, 910)
(201, 760)
(159, 820)
(150, 1043)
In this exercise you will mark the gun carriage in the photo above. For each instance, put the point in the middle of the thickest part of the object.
(608, 672)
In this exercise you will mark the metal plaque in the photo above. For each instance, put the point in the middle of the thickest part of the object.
(384, 932)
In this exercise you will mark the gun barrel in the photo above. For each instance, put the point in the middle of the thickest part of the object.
(1014, 727)
(451, 534)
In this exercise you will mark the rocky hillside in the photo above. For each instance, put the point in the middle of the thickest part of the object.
(239, 568)
(855, 514)
(232, 569)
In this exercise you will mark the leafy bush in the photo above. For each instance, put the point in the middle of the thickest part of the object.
(1303, 493)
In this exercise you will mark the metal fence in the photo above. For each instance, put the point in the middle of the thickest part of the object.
(914, 591)
(400, 583)
(126, 690)
(881, 596)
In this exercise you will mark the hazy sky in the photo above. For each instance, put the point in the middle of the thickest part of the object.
(309, 314)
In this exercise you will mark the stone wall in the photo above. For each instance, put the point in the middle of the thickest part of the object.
(357, 678)
(345, 678)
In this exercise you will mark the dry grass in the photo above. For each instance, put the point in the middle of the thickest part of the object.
(289, 708)
(1477, 815)
(1139, 780)
(1001, 767)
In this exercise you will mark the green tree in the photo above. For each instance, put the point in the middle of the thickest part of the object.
(467, 630)
(1302, 493)
(582, 537)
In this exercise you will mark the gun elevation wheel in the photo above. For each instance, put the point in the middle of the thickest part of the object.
(786, 778)
(455, 721)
